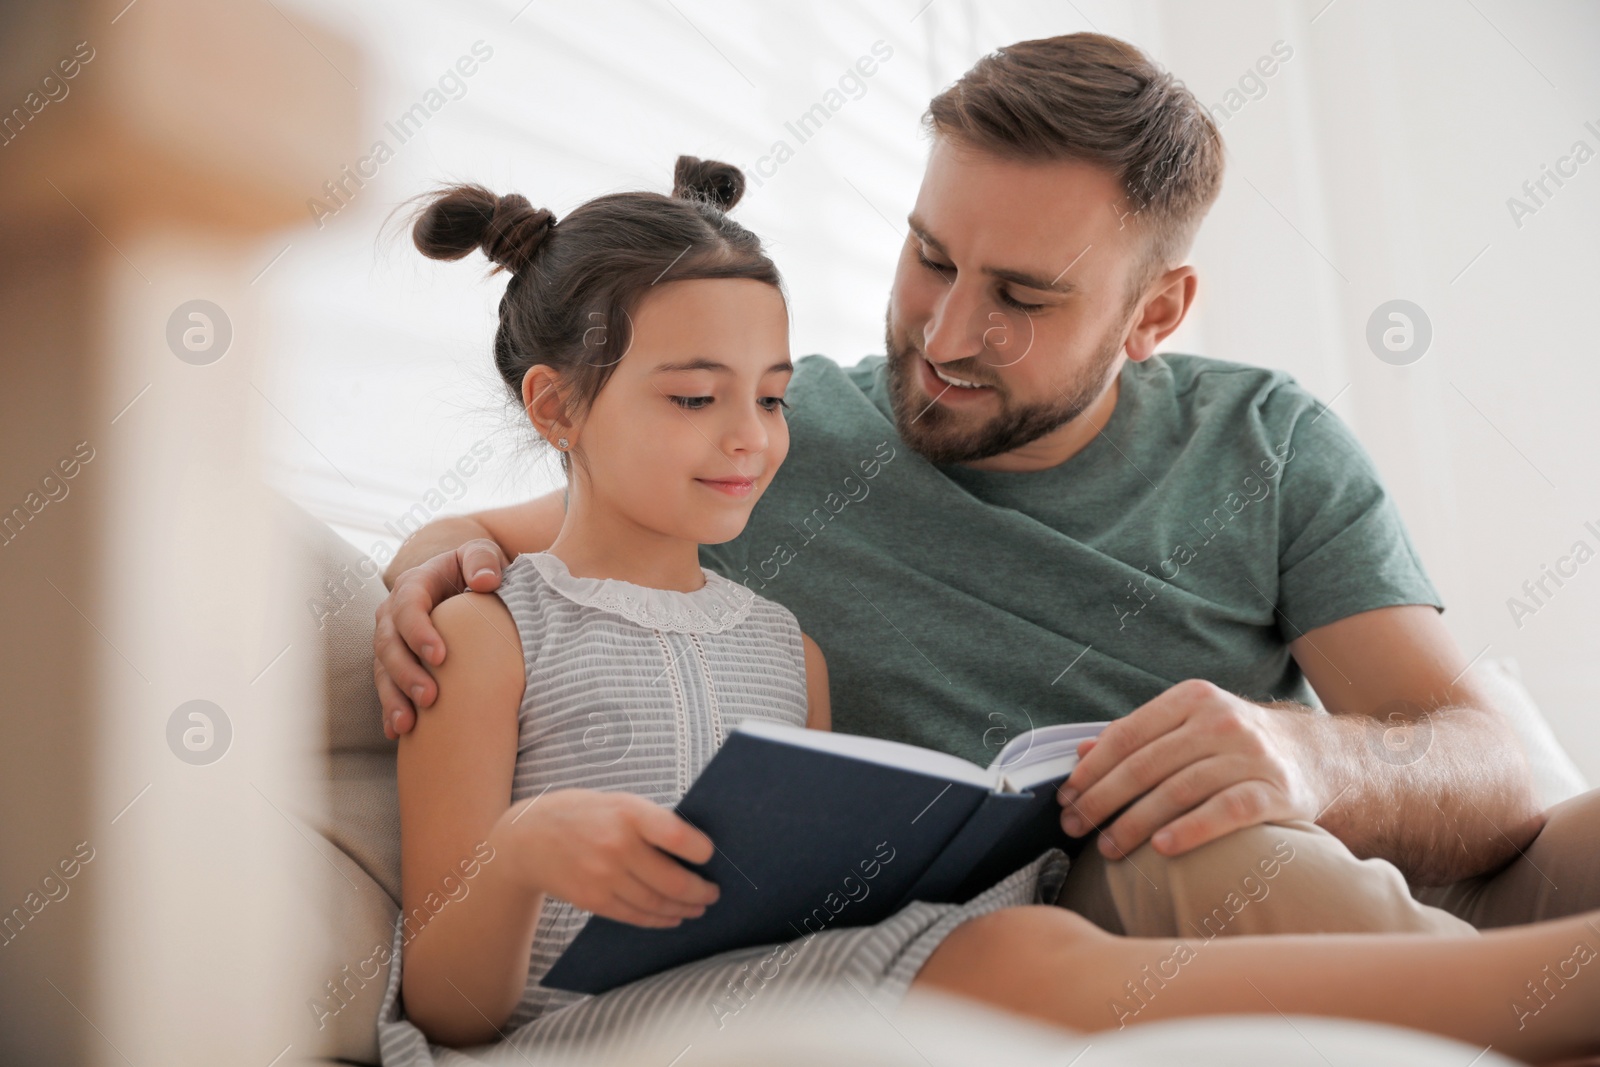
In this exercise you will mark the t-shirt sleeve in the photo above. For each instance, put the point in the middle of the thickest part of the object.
(1342, 547)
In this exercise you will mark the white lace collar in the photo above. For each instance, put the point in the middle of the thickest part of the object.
(718, 605)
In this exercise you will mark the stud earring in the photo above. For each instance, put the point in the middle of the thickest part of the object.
(562, 443)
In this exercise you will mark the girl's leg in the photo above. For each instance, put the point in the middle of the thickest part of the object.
(1530, 991)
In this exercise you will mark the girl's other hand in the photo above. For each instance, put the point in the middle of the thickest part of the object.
(605, 853)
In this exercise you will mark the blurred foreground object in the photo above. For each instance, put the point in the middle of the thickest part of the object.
(156, 714)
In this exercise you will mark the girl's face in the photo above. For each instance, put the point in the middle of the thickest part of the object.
(689, 430)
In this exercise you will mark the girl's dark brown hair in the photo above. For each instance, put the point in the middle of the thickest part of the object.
(576, 283)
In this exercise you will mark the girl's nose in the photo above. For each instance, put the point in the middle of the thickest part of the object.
(747, 432)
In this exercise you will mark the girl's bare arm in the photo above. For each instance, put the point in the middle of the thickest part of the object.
(468, 939)
(819, 712)
(475, 869)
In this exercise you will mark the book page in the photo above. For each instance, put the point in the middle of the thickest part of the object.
(1028, 775)
(874, 750)
(1043, 753)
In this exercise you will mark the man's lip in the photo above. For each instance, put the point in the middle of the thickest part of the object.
(931, 363)
(941, 389)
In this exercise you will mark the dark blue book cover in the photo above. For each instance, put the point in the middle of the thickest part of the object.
(808, 839)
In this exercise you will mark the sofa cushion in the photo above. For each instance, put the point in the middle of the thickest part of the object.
(358, 817)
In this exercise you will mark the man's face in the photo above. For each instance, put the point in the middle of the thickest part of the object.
(1014, 276)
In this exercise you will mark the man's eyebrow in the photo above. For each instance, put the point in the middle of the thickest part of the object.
(1026, 279)
(783, 366)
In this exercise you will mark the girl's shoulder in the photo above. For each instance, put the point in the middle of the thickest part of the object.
(768, 610)
(482, 633)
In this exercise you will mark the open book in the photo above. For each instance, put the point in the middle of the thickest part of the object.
(816, 830)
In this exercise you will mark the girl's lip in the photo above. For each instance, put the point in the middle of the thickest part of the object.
(734, 486)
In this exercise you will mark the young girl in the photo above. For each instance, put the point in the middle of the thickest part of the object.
(646, 338)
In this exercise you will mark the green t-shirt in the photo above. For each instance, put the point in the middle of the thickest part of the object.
(1221, 513)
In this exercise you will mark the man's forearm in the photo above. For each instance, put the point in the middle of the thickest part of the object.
(1442, 797)
(531, 526)
(440, 535)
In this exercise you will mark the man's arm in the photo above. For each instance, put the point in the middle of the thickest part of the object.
(1441, 789)
(529, 527)
(1419, 766)
(444, 558)
(1413, 764)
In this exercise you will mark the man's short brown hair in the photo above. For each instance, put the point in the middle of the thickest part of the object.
(1098, 100)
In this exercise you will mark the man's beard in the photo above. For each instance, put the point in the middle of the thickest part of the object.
(937, 433)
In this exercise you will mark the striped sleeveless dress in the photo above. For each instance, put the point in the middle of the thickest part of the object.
(634, 688)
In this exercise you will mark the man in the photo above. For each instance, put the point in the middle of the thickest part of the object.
(1021, 515)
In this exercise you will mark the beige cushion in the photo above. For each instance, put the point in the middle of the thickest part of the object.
(359, 817)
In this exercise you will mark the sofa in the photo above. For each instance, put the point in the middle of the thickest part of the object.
(357, 825)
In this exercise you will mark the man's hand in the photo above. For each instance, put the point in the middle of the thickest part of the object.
(1195, 763)
(404, 630)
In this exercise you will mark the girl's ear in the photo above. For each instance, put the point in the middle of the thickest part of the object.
(545, 403)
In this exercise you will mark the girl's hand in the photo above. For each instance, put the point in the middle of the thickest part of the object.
(603, 852)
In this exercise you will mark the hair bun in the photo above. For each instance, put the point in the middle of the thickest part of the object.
(706, 179)
(466, 217)
(515, 232)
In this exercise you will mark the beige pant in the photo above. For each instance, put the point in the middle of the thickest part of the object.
(1295, 877)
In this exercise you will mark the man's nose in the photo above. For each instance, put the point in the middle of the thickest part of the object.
(956, 329)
